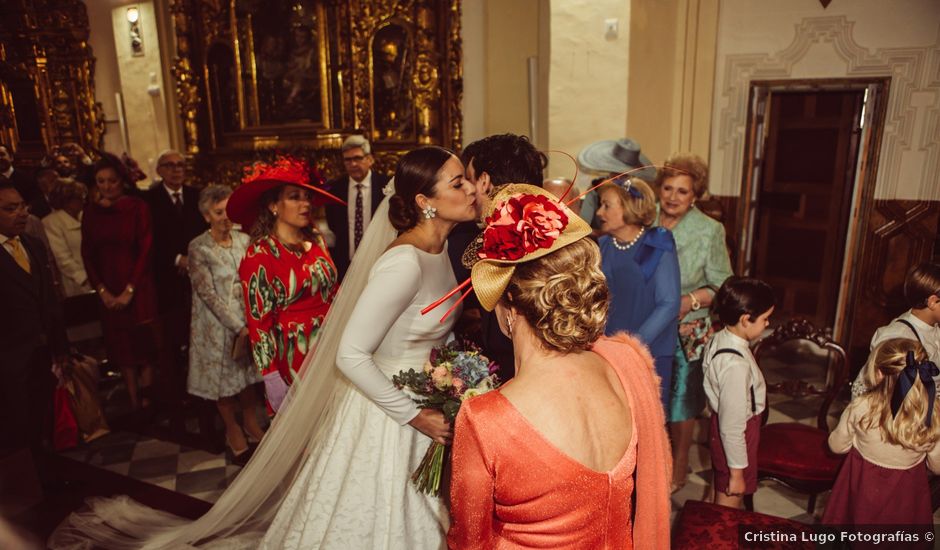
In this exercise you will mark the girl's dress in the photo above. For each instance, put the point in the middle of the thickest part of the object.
(879, 483)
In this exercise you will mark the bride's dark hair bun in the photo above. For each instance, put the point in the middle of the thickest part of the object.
(401, 215)
(416, 175)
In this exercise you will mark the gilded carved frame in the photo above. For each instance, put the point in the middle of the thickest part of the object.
(347, 30)
(47, 51)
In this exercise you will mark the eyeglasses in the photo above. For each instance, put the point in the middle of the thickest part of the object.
(357, 158)
(173, 165)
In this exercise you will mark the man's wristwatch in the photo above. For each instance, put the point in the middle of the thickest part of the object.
(696, 305)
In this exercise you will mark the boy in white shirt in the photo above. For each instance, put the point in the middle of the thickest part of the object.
(735, 388)
(922, 292)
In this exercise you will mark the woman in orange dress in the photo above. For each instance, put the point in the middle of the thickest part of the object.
(551, 460)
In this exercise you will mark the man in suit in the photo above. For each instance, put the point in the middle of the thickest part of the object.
(174, 209)
(490, 163)
(32, 331)
(362, 190)
(46, 181)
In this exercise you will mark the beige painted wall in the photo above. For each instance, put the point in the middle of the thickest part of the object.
(107, 81)
(498, 38)
(672, 71)
(145, 113)
(588, 81)
(768, 39)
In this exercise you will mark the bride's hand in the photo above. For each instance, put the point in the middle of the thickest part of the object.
(432, 424)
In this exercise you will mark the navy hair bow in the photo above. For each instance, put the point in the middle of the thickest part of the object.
(627, 185)
(926, 370)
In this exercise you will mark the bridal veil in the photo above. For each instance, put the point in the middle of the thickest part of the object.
(243, 512)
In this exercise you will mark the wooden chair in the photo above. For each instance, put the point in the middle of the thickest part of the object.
(795, 454)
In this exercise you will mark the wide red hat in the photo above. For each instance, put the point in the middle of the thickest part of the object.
(245, 202)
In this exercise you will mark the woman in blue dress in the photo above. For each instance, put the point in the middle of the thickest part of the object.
(642, 272)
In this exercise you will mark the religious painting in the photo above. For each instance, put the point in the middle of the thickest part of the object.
(284, 60)
(392, 94)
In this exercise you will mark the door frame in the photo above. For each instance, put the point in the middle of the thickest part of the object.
(863, 185)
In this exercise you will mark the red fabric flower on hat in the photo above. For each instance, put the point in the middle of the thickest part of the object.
(284, 168)
(521, 225)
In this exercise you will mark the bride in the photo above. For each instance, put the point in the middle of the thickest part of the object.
(333, 470)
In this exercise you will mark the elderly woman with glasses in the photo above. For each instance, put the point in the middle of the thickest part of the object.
(216, 371)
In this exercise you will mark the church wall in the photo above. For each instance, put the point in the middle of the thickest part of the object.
(142, 85)
(766, 39)
(588, 80)
(498, 38)
(672, 68)
(896, 226)
(107, 80)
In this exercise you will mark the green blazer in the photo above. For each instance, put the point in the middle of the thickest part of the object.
(703, 254)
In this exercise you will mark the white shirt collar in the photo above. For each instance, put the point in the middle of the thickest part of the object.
(914, 320)
(366, 181)
(170, 192)
(9, 173)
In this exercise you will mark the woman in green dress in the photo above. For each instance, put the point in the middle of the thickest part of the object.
(704, 265)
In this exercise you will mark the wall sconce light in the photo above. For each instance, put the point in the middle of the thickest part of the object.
(133, 20)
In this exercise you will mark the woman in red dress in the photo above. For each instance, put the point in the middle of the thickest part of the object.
(116, 242)
(288, 277)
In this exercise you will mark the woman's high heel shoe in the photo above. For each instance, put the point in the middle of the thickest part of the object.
(239, 457)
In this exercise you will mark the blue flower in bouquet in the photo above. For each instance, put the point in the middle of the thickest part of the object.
(454, 373)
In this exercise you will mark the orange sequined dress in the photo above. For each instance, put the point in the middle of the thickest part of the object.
(512, 488)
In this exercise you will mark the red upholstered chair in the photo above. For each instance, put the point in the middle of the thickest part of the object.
(714, 527)
(791, 453)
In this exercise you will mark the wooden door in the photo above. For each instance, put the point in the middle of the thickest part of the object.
(804, 197)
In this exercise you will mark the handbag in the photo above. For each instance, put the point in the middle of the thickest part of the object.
(241, 347)
(693, 336)
(81, 382)
(65, 435)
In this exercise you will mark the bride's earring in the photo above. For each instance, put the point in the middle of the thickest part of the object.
(509, 326)
(429, 211)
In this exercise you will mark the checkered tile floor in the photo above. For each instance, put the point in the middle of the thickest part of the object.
(172, 466)
(205, 475)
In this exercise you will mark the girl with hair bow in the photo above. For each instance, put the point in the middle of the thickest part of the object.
(888, 433)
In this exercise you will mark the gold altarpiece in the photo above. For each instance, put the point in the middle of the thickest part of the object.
(46, 78)
(255, 78)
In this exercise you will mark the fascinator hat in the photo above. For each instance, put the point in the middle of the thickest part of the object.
(523, 223)
(616, 156)
(245, 202)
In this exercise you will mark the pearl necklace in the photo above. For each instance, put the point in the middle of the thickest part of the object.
(626, 246)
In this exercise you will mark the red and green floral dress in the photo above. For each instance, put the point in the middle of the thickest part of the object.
(287, 296)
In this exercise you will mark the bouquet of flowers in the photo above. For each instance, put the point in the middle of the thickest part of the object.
(453, 373)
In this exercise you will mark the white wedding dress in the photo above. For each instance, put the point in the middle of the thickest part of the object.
(333, 471)
(354, 491)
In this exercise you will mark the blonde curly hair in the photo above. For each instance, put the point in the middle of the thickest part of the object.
(907, 427)
(563, 296)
